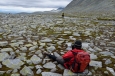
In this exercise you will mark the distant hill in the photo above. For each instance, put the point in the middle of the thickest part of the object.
(95, 6)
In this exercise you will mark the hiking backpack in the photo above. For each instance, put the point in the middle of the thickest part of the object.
(81, 61)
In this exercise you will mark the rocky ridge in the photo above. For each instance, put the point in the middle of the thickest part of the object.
(91, 6)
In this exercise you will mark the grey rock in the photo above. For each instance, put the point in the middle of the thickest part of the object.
(106, 53)
(49, 65)
(93, 56)
(60, 66)
(3, 43)
(50, 74)
(76, 34)
(13, 63)
(69, 73)
(46, 40)
(38, 66)
(0, 65)
(2, 30)
(8, 71)
(95, 63)
(53, 70)
(28, 45)
(111, 70)
(38, 71)
(38, 52)
(42, 44)
(85, 45)
(60, 42)
(68, 44)
(15, 71)
(15, 74)
(108, 61)
(24, 49)
(51, 48)
(2, 72)
(89, 74)
(26, 71)
(98, 49)
(71, 38)
(33, 48)
(35, 59)
(106, 72)
(92, 50)
(29, 62)
(14, 44)
(3, 56)
(67, 32)
(40, 55)
(56, 54)
(6, 49)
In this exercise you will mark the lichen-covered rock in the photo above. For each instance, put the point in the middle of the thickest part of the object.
(111, 70)
(3, 56)
(49, 65)
(96, 63)
(35, 59)
(69, 73)
(108, 61)
(46, 40)
(76, 34)
(33, 48)
(50, 74)
(3, 43)
(106, 53)
(93, 56)
(24, 49)
(26, 71)
(6, 49)
(14, 44)
(15, 74)
(38, 71)
(2, 72)
(13, 63)
(51, 48)
(28, 45)
(38, 66)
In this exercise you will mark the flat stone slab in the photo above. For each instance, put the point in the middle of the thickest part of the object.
(49, 65)
(3, 56)
(51, 48)
(26, 71)
(93, 56)
(6, 49)
(107, 53)
(46, 40)
(13, 63)
(96, 63)
(50, 74)
(3, 43)
(111, 70)
(35, 59)
(15, 74)
(70, 73)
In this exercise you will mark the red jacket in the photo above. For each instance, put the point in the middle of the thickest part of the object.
(69, 57)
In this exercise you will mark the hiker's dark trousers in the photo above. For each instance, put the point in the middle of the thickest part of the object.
(59, 59)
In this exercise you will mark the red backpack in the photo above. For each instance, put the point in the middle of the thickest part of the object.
(81, 61)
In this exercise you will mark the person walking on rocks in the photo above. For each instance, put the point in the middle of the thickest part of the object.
(63, 15)
(75, 60)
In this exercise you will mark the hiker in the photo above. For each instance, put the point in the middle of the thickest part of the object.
(63, 15)
(68, 59)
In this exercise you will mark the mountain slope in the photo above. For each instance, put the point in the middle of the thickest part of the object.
(90, 6)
